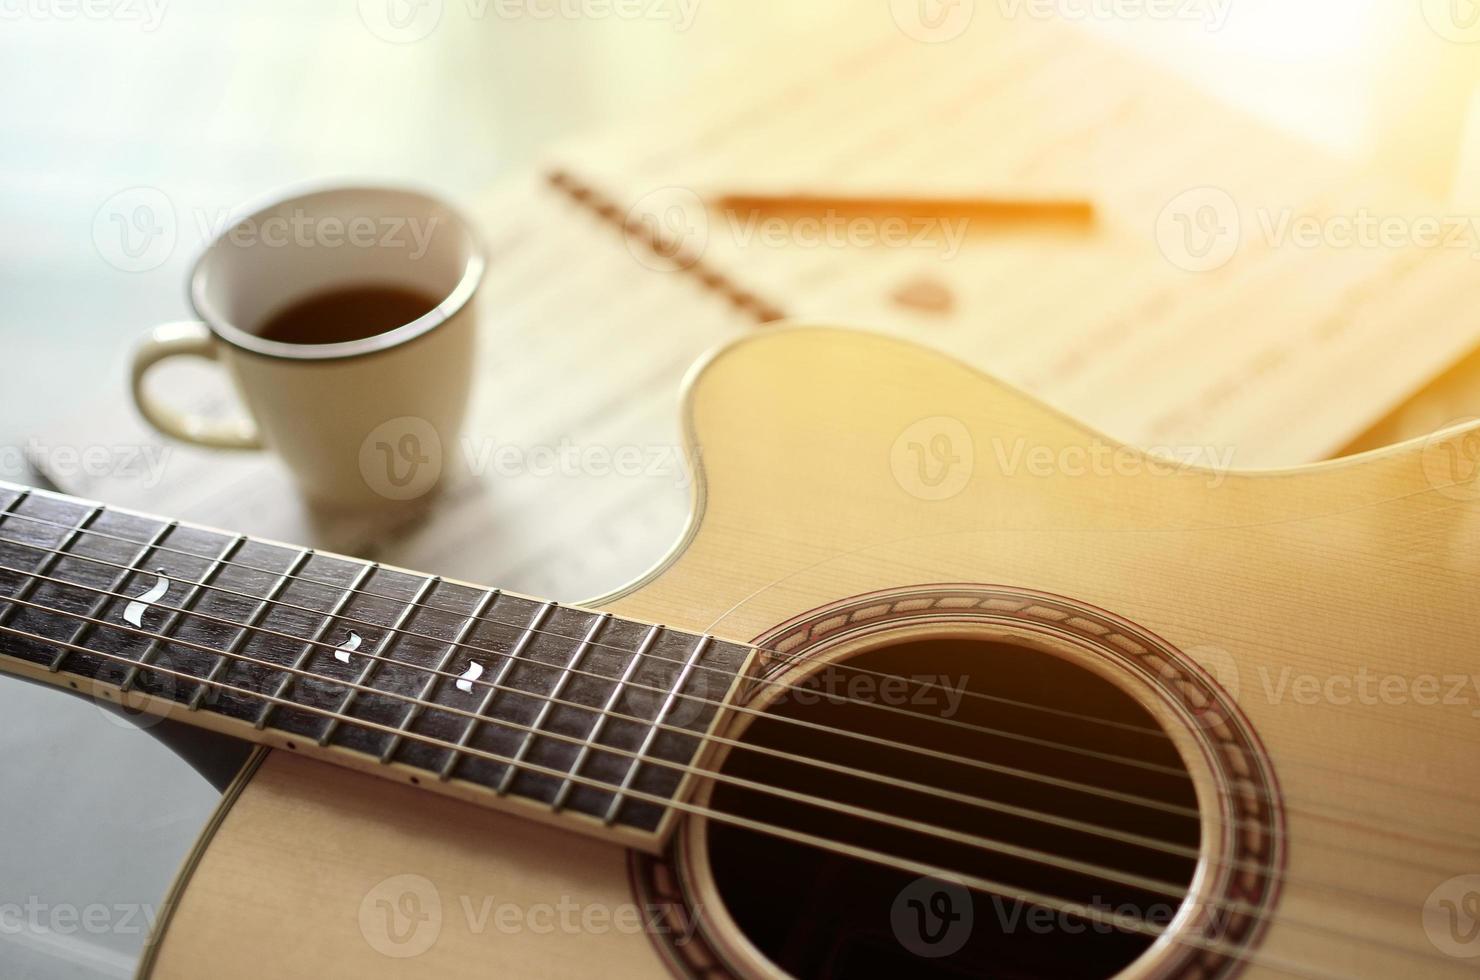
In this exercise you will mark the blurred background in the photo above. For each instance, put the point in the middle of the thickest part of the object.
(213, 102)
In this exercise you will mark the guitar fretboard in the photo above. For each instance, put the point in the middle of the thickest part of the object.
(497, 698)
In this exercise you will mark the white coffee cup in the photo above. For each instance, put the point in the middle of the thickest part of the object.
(360, 422)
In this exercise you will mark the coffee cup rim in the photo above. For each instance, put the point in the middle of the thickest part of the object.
(446, 308)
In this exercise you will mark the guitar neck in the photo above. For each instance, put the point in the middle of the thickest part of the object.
(551, 711)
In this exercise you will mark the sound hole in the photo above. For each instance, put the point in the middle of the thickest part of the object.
(815, 913)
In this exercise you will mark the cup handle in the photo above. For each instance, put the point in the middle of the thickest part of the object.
(188, 338)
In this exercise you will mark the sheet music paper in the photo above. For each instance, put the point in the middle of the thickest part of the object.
(586, 336)
(1126, 327)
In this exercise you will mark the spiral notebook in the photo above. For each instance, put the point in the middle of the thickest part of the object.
(611, 271)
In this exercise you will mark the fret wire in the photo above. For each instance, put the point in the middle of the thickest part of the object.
(652, 733)
(186, 604)
(8, 509)
(590, 742)
(49, 561)
(312, 644)
(373, 664)
(556, 690)
(96, 609)
(247, 628)
(429, 689)
(516, 655)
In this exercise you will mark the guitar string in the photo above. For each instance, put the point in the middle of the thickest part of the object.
(1020, 812)
(496, 622)
(376, 595)
(1292, 805)
(951, 722)
(1150, 732)
(1153, 886)
(1025, 814)
(1109, 874)
(1112, 919)
(493, 654)
(1185, 812)
(1192, 814)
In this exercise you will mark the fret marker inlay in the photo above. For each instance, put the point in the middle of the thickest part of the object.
(134, 612)
(342, 652)
(465, 682)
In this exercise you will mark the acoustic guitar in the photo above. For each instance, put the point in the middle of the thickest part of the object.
(937, 684)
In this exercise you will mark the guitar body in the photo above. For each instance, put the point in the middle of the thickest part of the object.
(854, 479)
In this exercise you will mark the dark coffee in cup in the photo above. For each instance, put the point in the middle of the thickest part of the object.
(346, 313)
